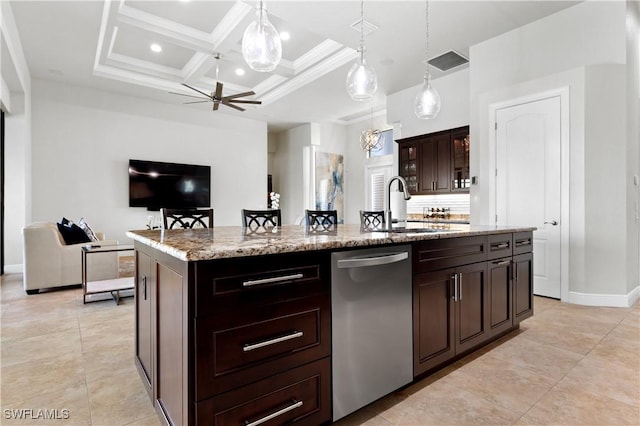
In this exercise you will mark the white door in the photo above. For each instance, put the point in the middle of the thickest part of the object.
(528, 188)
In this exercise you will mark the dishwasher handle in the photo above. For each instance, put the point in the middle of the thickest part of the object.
(382, 259)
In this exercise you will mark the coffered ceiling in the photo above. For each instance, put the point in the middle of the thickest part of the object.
(106, 45)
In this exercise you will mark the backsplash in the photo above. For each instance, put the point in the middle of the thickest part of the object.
(458, 203)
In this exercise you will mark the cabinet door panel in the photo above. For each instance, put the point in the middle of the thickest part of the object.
(500, 295)
(523, 286)
(143, 316)
(443, 164)
(460, 176)
(433, 318)
(428, 165)
(471, 312)
(234, 350)
(301, 395)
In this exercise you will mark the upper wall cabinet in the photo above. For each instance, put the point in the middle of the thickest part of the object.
(436, 163)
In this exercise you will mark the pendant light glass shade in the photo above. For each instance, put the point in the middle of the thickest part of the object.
(261, 44)
(362, 80)
(427, 102)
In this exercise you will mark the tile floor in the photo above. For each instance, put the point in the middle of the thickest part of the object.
(568, 365)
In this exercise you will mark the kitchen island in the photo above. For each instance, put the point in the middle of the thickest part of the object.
(234, 326)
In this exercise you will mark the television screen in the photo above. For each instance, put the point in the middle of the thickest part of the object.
(155, 185)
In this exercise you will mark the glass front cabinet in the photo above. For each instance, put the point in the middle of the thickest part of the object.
(436, 163)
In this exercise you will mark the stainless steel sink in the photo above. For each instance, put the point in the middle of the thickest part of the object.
(410, 230)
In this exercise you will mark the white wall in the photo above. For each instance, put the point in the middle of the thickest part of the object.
(454, 95)
(17, 140)
(293, 159)
(633, 135)
(355, 161)
(17, 178)
(288, 171)
(606, 208)
(83, 139)
(565, 50)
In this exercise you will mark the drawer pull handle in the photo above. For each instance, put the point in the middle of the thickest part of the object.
(249, 347)
(272, 280)
(526, 242)
(501, 246)
(502, 262)
(296, 404)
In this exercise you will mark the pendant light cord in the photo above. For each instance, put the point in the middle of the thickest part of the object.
(361, 23)
(426, 53)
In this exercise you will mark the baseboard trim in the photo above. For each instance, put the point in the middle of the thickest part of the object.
(13, 269)
(609, 300)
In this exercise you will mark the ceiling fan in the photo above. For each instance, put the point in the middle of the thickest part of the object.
(216, 97)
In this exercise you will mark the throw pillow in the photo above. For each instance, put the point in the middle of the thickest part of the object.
(87, 229)
(72, 234)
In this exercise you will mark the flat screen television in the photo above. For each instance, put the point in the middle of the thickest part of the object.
(155, 185)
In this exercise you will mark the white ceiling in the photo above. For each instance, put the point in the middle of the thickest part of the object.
(105, 45)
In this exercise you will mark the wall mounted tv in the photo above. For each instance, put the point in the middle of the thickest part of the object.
(155, 185)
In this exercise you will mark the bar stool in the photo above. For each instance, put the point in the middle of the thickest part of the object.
(321, 220)
(186, 218)
(372, 219)
(261, 218)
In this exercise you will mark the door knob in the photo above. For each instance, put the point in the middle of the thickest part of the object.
(553, 222)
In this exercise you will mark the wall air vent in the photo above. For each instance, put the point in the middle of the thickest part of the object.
(448, 60)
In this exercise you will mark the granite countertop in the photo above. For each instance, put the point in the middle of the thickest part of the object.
(234, 241)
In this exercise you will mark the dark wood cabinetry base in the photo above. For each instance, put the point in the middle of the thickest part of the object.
(248, 341)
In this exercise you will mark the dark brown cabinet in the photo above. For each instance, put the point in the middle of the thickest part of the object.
(408, 164)
(436, 163)
(451, 314)
(466, 292)
(300, 395)
(143, 342)
(500, 295)
(460, 176)
(450, 299)
(235, 341)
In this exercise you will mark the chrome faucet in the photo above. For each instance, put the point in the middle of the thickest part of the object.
(407, 196)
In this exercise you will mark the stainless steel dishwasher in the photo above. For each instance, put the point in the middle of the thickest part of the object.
(371, 313)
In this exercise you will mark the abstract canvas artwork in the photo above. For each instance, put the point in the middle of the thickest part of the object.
(329, 184)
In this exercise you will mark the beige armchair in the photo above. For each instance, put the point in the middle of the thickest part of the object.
(48, 262)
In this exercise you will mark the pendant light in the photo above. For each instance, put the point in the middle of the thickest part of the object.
(362, 81)
(261, 44)
(427, 101)
(370, 139)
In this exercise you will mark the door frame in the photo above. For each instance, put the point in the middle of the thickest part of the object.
(565, 142)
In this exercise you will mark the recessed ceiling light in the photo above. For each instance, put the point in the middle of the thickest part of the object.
(239, 71)
(285, 36)
(155, 47)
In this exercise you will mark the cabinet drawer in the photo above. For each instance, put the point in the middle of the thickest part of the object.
(522, 242)
(233, 283)
(499, 245)
(300, 395)
(232, 350)
(432, 255)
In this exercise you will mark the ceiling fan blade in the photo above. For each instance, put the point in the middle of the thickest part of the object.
(190, 96)
(232, 106)
(240, 101)
(219, 90)
(216, 104)
(196, 102)
(240, 95)
(199, 91)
